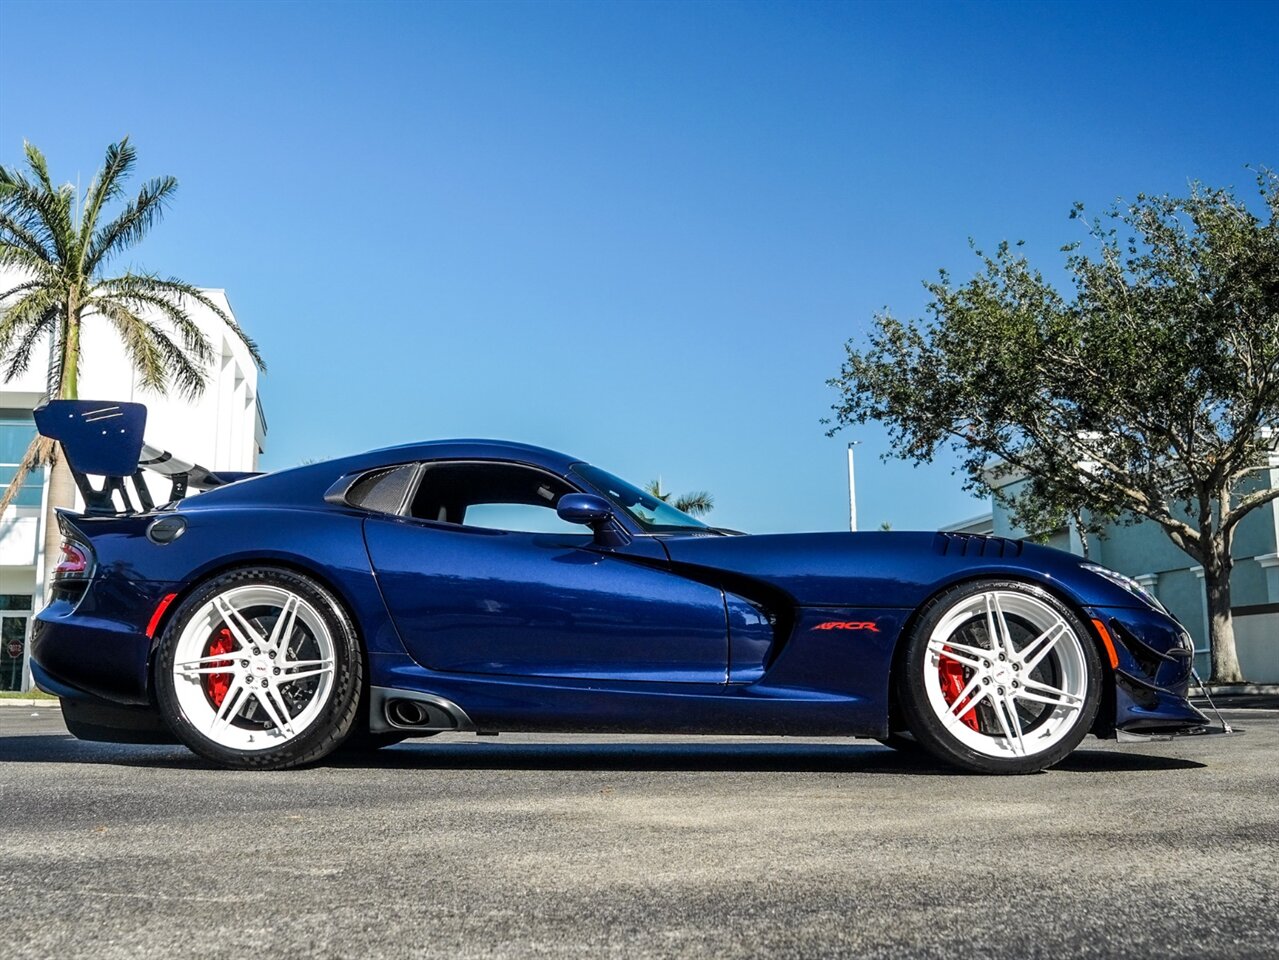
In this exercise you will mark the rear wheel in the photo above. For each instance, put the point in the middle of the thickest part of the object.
(259, 668)
(999, 677)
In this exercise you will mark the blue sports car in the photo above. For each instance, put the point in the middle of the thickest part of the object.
(486, 586)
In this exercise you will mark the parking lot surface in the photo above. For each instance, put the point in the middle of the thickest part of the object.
(539, 846)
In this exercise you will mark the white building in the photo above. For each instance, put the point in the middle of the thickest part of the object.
(223, 429)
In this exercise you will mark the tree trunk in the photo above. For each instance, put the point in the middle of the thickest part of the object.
(1221, 625)
(69, 378)
(62, 488)
(61, 494)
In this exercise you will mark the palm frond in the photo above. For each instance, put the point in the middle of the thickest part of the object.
(696, 504)
(137, 299)
(52, 203)
(32, 306)
(140, 345)
(654, 487)
(138, 216)
(154, 355)
(172, 285)
(16, 233)
(41, 452)
(27, 286)
(189, 378)
(44, 215)
(28, 339)
(107, 185)
(15, 256)
(37, 164)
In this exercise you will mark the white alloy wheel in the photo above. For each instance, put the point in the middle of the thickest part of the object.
(1007, 675)
(253, 667)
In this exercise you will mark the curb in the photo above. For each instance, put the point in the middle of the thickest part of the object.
(32, 702)
(1219, 690)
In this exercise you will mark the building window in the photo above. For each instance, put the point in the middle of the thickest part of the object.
(13, 638)
(15, 438)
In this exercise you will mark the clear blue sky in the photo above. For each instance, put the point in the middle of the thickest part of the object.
(640, 233)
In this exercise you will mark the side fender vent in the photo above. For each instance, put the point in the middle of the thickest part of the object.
(976, 545)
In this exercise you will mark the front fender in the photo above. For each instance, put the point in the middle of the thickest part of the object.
(886, 569)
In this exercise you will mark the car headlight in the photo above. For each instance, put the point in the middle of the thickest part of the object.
(1129, 584)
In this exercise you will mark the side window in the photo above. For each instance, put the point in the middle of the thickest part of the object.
(496, 496)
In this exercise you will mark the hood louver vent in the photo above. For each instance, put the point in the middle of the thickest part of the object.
(973, 545)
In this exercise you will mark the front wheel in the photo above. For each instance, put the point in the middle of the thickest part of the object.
(999, 677)
(260, 668)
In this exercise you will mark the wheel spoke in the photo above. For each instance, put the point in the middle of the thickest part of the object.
(233, 701)
(303, 674)
(1010, 723)
(1069, 704)
(997, 625)
(1038, 686)
(958, 702)
(282, 632)
(953, 718)
(969, 656)
(209, 661)
(244, 632)
(228, 667)
(276, 710)
(1037, 649)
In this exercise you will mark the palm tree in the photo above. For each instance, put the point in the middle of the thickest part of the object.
(60, 252)
(697, 503)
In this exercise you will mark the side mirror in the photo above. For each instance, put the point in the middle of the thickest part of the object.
(584, 508)
(596, 513)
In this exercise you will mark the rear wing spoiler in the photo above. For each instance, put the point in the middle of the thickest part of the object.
(105, 439)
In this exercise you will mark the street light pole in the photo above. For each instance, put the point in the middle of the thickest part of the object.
(852, 489)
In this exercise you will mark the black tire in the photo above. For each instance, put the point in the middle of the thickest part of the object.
(336, 716)
(932, 734)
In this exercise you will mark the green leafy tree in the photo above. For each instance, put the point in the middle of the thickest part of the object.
(697, 503)
(1150, 390)
(59, 252)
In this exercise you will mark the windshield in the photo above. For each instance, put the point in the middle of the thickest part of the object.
(653, 515)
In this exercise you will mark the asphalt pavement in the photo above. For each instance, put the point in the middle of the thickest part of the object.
(636, 847)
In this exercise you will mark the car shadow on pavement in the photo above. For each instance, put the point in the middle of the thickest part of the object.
(1117, 761)
(862, 757)
(857, 757)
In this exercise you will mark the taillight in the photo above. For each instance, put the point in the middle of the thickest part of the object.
(75, 560)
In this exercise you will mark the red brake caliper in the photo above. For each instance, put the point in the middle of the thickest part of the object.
(216, 685)
(953, 682)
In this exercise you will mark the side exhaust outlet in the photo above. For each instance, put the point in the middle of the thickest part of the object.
(407, 713)
(413, 712)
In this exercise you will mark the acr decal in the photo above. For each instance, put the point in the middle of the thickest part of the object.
(848, 625)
